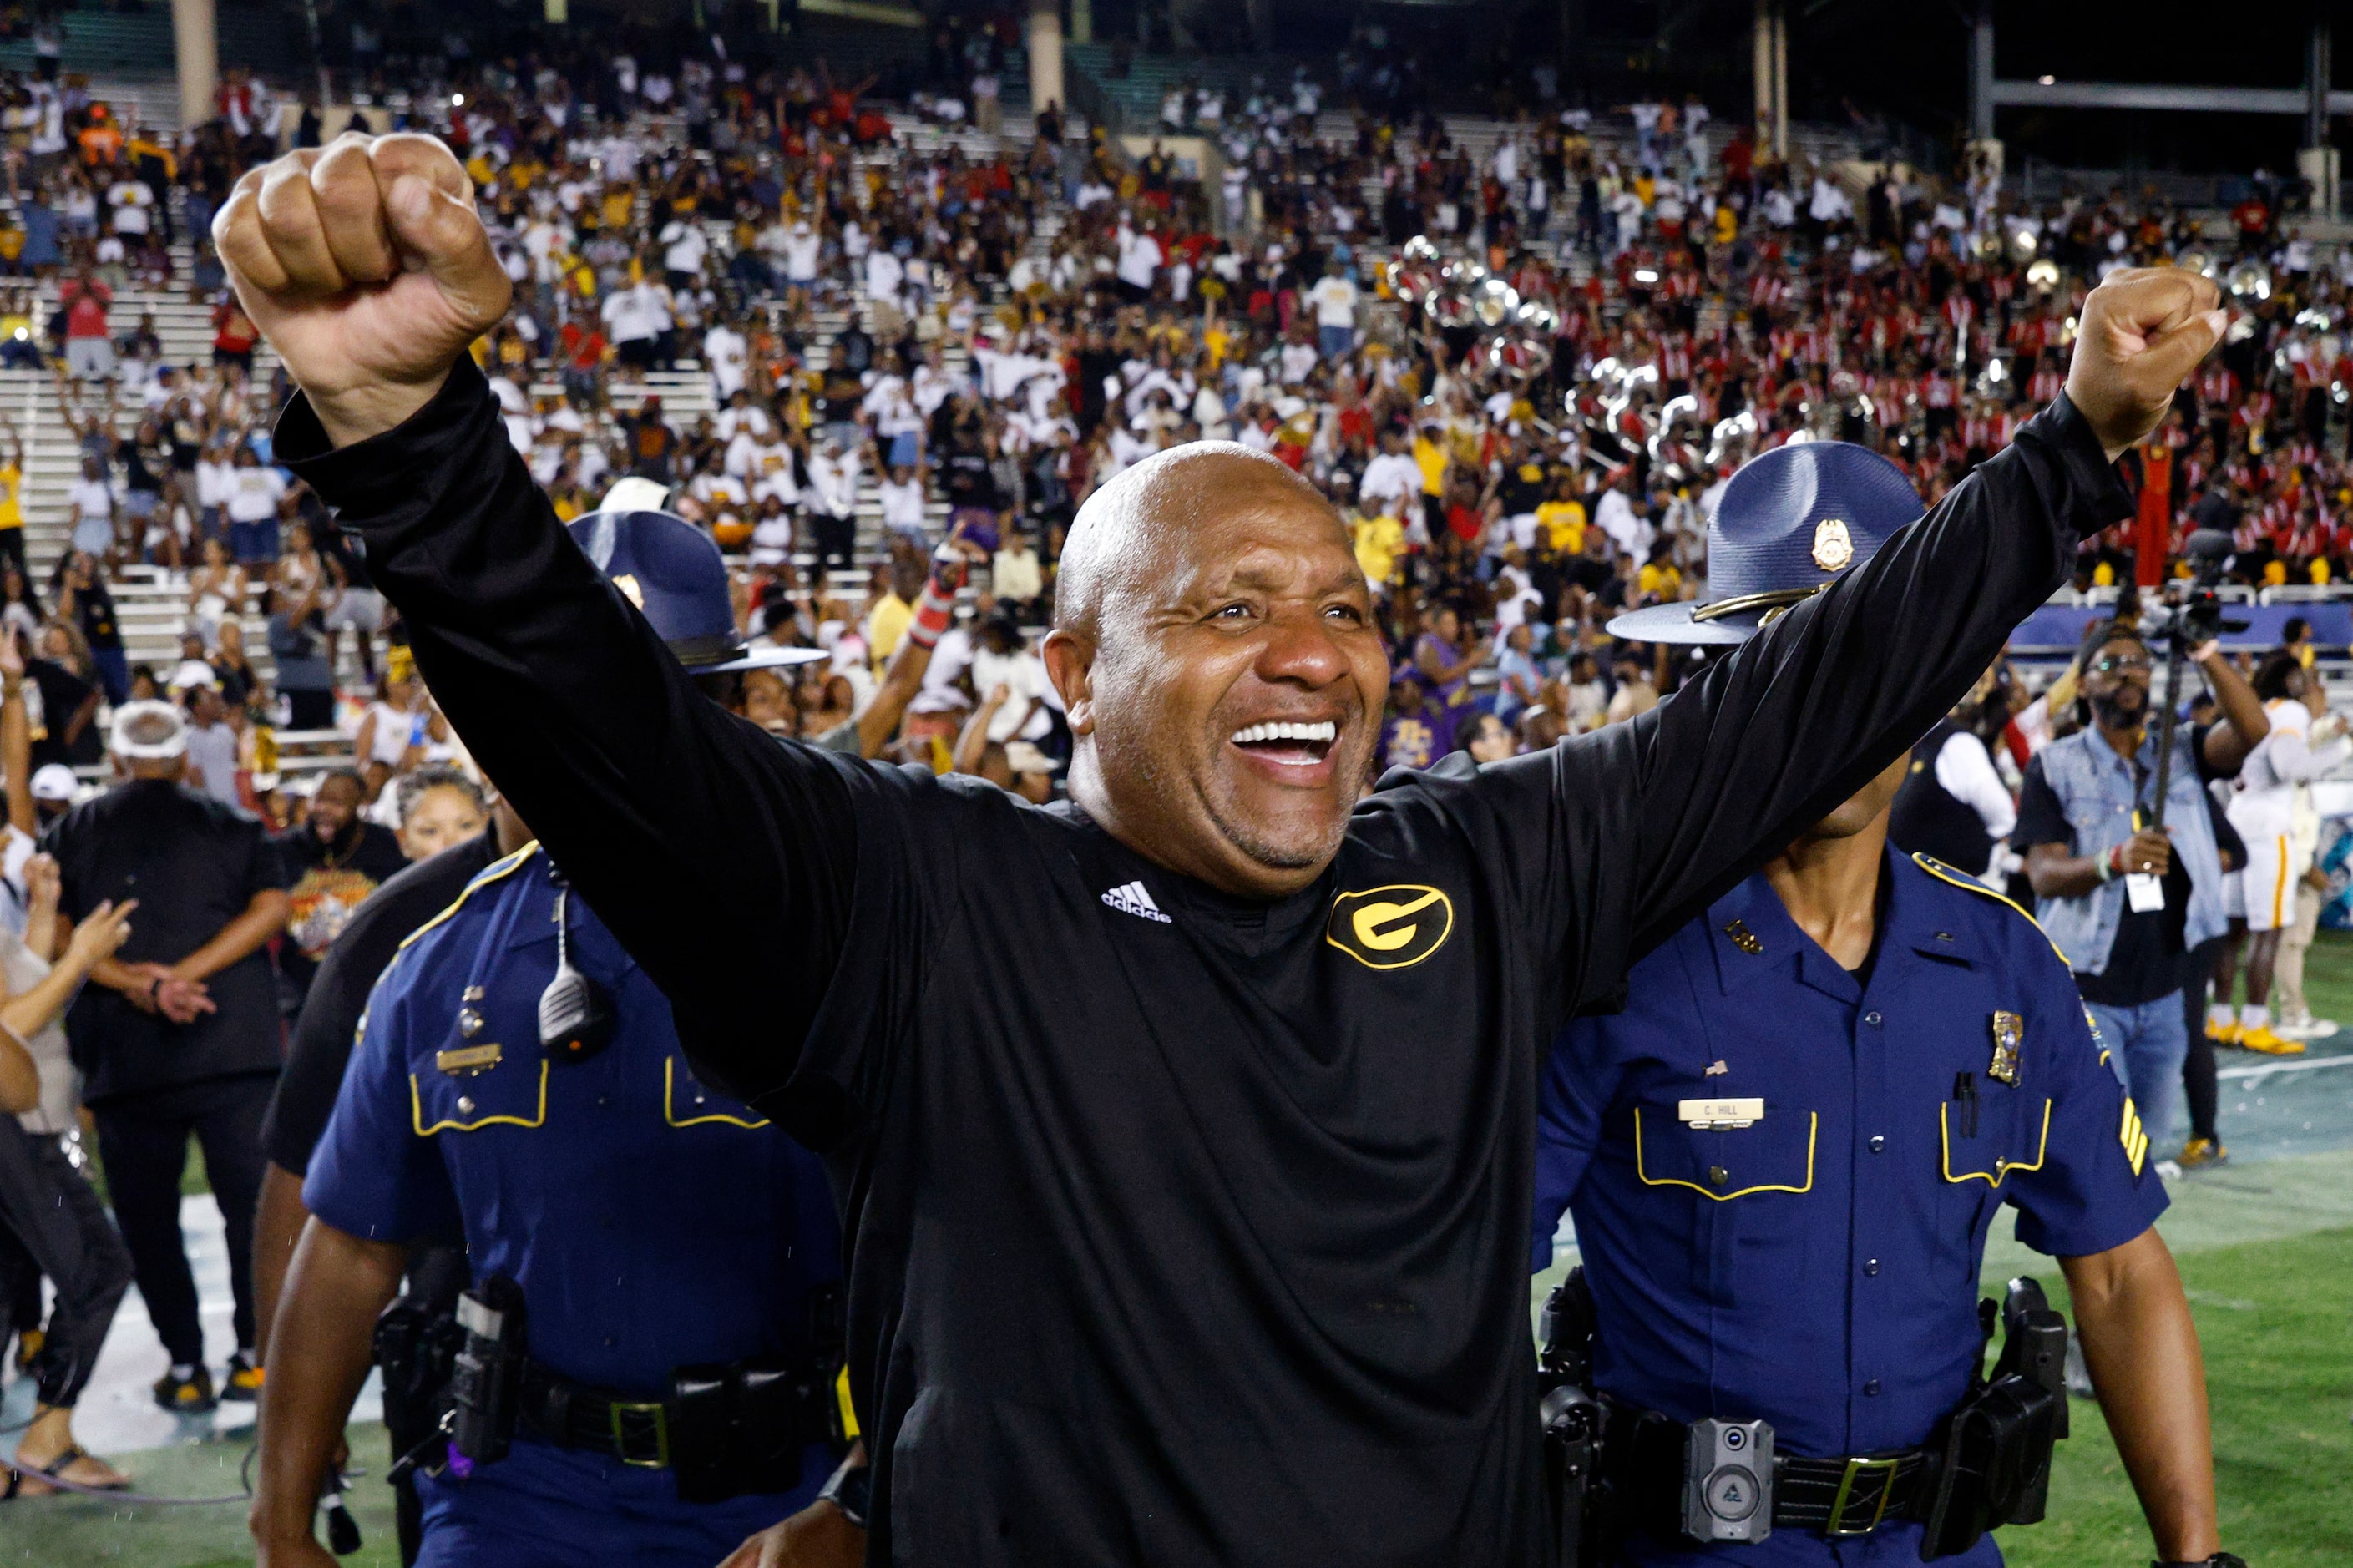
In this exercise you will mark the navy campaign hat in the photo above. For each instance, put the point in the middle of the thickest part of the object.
(1789, 521)
(673, 571)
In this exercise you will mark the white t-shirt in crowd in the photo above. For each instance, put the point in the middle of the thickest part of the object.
(254, 494)
(1335, 302)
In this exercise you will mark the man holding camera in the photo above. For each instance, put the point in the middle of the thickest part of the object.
(2128, 882)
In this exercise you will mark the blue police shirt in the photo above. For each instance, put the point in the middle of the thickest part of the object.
(652, 1222)
(1818, 1267)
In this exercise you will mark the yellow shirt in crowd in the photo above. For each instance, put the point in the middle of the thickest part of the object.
(1431, 459)
(1564, 525)
(11, 484)
(886, 623)
(1380, 540)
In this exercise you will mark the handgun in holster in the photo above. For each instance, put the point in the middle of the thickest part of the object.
(1572, 1421)
(416, 1346)
(1996, 1465)
(486, 1376)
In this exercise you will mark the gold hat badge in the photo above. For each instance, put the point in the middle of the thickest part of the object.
(1834, 546)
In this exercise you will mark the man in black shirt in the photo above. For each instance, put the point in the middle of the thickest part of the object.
(178, 1032)
(333, 861)
(1186, 1127)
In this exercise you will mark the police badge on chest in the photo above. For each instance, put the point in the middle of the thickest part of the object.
(2008, 1029)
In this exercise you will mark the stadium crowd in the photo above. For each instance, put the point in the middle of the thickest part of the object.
(1522, 366)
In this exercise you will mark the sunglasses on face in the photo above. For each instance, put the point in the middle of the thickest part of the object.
(2114, 665)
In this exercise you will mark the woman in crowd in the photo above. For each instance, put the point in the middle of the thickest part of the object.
(393, 731)
(439, 807)
(47, 1206)
(217, 588)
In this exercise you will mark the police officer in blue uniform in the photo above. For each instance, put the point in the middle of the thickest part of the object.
(647, 1369)
(1783, 1158)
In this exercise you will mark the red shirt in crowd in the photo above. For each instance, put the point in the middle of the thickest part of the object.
(85, 305)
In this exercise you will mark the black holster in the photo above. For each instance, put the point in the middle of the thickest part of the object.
(416, 1347)
(486, 1379)
(742, 1426)
(1572, 1421)
(1995, 1467)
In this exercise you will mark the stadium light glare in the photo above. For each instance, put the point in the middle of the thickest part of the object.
(2046, 82)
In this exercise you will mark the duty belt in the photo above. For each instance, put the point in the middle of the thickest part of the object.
(1837, 1499)
(574, 1416)
(1844, 1498)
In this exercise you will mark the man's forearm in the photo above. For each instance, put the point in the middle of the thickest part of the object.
(264, 917)
(16, 757)
(131, 979)
(277, 1224)
(335, 1287)
(2141, 1346)
(2054, 874)
(900, 684)
(2246, 723)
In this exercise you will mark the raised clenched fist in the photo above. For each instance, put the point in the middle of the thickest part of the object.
(364, 264)
(2141, 333)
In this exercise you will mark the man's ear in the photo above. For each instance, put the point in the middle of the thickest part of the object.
(1070, 664)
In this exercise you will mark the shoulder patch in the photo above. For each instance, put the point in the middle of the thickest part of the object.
(1958, 879)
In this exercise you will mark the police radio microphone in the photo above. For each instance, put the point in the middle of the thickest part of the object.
(575, 1015)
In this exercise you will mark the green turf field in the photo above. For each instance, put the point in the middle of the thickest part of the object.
(2274, 1319)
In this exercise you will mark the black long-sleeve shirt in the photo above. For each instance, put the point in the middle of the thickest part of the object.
(1185, 1228)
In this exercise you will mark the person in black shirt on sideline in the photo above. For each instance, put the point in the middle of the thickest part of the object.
(1185, 1127)
(333, 861)
(178, 1033)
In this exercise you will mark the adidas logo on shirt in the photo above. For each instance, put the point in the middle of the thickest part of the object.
(1132, 899)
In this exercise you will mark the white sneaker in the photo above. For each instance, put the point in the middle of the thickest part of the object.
(2308, 1029)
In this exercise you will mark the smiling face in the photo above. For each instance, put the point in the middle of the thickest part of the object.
(2116, 682)
(1215, 650)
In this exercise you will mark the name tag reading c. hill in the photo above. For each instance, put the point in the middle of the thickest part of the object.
(1719, 1115)
(468, 1060)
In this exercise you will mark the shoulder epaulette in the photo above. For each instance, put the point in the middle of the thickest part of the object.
(1960, 879)
(497, 871)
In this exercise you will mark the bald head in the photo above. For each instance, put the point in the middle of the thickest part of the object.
(1215, 650)
(1135, 527)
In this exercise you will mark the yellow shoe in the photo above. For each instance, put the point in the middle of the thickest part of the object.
(2262, 1039)
(243, 1383)
(2202, 1151)
(2223, 1034)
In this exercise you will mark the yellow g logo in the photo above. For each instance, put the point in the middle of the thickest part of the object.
(1390, 928)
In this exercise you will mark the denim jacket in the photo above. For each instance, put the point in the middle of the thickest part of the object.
(2096, 788)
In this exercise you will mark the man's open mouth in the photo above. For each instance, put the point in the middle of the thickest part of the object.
(1292, 744)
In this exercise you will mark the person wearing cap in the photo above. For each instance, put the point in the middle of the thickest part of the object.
(178, 1032)
(1187, 1127)
(656, 1227)
(1785, 1153)
(212, 740)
